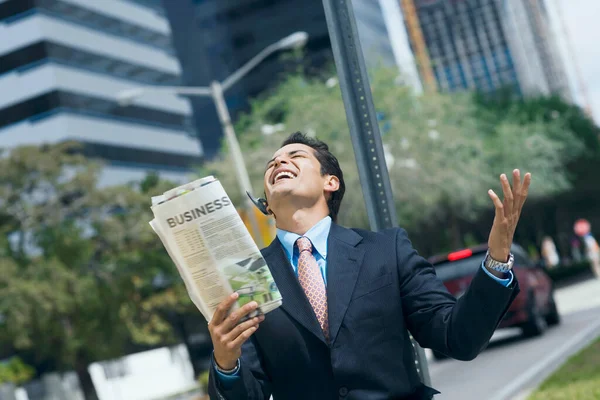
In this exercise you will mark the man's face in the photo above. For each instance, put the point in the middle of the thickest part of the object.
(295, 173)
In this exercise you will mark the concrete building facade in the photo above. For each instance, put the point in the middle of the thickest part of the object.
(62, 64)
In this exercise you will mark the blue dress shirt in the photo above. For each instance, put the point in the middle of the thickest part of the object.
(318, 236)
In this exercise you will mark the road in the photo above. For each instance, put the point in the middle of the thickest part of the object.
(511, 365)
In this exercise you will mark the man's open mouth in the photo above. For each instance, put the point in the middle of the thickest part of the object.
(283, 175)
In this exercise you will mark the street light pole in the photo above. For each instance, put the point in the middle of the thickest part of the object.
(215, 91)
(236, 155)
(364, 129)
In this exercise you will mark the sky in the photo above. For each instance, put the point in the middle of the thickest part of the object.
(582, 20)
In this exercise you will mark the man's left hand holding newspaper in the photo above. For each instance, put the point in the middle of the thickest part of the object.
(228, 335)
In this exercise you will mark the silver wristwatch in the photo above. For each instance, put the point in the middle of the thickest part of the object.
(499, 266)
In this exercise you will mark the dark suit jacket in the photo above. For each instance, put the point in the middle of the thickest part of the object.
(378, 290)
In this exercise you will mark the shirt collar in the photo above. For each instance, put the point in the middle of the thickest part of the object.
(318, 235)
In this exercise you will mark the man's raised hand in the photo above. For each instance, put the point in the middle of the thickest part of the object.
(507, 215)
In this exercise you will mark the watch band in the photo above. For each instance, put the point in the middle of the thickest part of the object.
(499, 266)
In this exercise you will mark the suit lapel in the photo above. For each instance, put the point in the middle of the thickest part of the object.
(344, 260)
(294, 300)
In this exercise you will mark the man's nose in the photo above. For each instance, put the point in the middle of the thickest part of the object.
(280, 160)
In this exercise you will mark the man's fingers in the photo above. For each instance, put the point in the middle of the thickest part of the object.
(241, 328)
(516, 188)
(497, 204)
(231, 321)
(508, 196)
(241, 339)
(524, 192)
(223, 308)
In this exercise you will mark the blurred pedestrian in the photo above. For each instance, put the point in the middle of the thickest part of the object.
(592, 253)
(351, 296)
(549, 253)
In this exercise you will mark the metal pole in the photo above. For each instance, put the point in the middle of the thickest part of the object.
(364, 129)
(236, 155)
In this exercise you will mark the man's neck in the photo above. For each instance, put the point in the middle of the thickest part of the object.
(300, 221)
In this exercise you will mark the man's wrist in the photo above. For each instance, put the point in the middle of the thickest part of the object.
(501, 256)
(228, 369)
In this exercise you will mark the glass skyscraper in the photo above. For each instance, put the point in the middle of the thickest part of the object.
(489, 44)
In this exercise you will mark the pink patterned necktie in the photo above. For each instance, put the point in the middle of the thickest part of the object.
(311, 280)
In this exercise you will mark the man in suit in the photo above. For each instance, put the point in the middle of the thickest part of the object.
(351, 297)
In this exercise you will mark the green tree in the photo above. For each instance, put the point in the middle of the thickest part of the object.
(554, 215)
(47, 290)
(15, 371)
(442, 155)
(82, 275)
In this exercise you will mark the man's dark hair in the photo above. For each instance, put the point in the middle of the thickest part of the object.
(329, 166)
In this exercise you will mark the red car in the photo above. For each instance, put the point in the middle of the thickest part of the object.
(534, 308)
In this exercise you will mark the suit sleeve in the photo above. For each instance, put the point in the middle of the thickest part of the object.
(461, 328)
(250, 383)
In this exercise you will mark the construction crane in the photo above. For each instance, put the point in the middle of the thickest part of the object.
(413, 27)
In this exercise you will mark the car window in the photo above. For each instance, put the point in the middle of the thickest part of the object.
(449, 270)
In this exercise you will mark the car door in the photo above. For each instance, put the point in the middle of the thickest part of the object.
(537, 278)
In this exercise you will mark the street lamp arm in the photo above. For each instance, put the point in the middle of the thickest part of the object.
(126, 97)
(243, 70)
(192, 91)
(181, 90)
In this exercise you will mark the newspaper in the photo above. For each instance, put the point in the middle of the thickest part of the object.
(211, 248)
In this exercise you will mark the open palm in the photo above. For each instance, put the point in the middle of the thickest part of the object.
(507, 215)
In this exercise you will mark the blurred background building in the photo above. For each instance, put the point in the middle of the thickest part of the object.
(486, 45)
(228, 33)
(62, 63)
(373, 32)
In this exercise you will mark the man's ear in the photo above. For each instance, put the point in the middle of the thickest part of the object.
(332, 184)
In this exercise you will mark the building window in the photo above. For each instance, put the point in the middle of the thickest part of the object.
(138, 157)
(57, 101)
(75, 58)
(13, 10)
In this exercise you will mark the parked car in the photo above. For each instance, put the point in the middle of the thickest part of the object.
(534, 308)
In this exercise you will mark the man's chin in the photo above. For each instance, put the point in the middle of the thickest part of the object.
(280, 192)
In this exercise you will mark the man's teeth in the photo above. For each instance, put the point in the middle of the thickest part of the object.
(284, 174)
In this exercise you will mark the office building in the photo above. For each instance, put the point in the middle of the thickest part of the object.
(373, 32)
(213, 38)
(488, 44)
(536, 53)
(62, 64)
(399, 40)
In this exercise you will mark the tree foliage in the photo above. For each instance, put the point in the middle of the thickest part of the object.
(584, 151)
(82, 275)
(580, 143)
(442, 154)
(15, 371)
